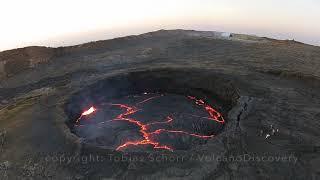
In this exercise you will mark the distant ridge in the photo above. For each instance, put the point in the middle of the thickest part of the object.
(16, 60)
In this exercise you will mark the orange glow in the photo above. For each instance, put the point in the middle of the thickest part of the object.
(89, 111)
(214, 115)
(86, 113)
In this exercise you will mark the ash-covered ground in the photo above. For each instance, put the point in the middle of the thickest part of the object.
(269, 90)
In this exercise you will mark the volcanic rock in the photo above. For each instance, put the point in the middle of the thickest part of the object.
(270, 89)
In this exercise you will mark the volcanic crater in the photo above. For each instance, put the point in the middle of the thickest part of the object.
(155, 110)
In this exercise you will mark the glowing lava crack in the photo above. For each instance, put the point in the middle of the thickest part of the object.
(145, 128)
(86, 113)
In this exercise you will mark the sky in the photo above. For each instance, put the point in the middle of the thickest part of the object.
(69, 22)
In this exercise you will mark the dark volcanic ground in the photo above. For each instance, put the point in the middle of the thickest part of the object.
(271, 131)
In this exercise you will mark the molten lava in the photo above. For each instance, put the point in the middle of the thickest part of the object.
(214, 115)
(89, 111)
(144, 128)
(86, 113)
